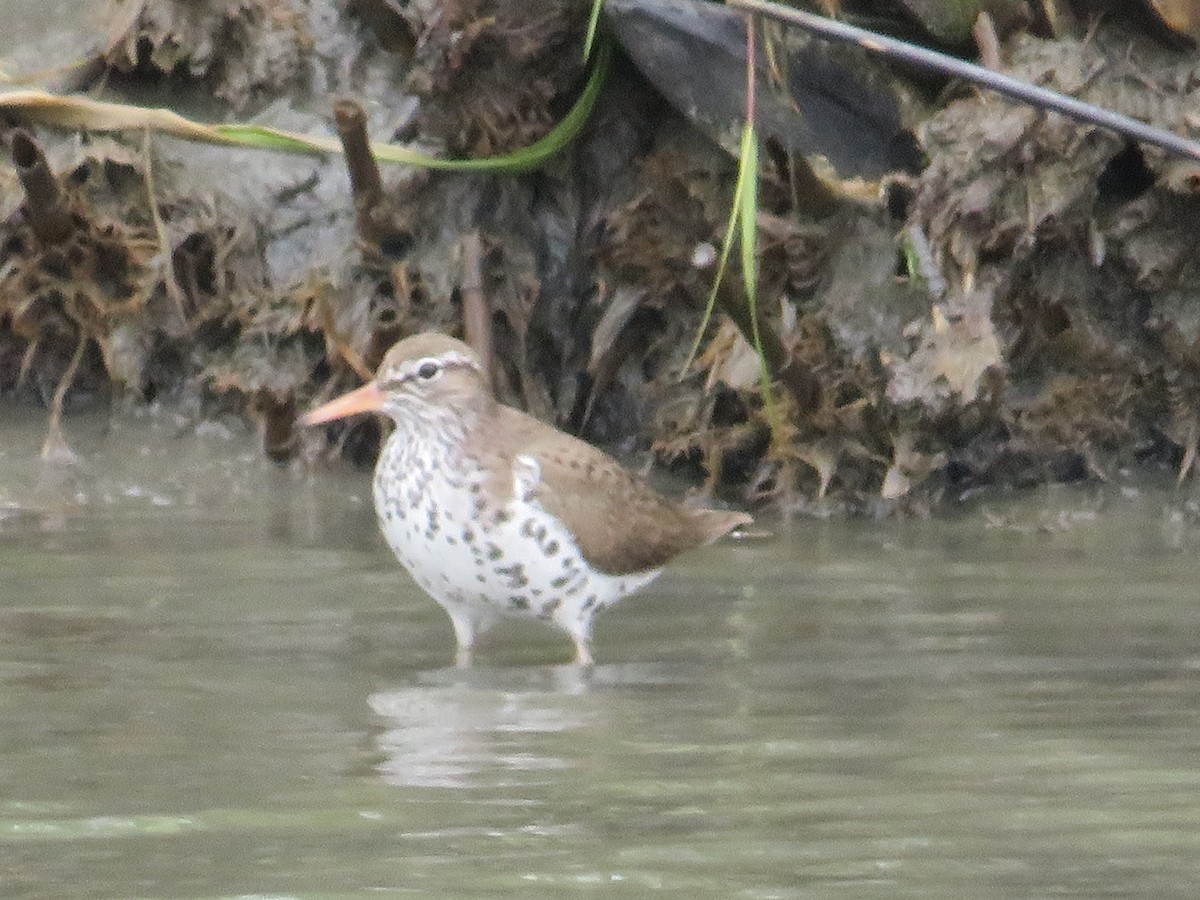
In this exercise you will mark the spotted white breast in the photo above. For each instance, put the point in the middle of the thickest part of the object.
(479, 559)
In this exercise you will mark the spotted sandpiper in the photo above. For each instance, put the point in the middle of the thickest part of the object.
(495, 513)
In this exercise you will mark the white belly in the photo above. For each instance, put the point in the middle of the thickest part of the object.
(480, 563)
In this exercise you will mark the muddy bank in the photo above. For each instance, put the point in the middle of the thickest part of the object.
(957, 292)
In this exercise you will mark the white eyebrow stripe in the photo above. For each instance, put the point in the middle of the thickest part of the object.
(449, 359)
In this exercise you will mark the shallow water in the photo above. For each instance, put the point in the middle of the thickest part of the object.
(217, 683)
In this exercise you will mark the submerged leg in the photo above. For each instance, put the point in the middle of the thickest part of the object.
(579, 627)
(469, 622)
(583, 649)
(464, 634)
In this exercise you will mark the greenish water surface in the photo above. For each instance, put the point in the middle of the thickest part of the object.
(216, 682)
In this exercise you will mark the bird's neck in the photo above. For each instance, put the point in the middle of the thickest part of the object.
(440, 435)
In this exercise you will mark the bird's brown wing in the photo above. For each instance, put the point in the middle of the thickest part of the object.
(621, 524)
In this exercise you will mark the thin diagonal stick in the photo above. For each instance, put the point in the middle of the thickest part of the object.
(977, 75)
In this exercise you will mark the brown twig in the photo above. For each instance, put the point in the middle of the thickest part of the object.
(46, 207)
(342, 347)
(987, 41)
(477, 320)
(366, 185)
(278, 425)
(378, 221)
(55, 448)
(174, 291)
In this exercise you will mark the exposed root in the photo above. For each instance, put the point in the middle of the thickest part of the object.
(55, 448)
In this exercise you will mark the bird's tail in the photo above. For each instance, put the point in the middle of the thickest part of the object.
(716, 523)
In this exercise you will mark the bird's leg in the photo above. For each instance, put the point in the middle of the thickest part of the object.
(583, 650)
(464, 634)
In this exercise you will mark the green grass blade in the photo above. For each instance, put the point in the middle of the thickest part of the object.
(747, 213)
(726, 247)
(260, 137)
(593, 22)
(526, 158)
(73, 112)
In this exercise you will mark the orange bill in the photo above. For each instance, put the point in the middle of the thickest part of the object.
(367, 398)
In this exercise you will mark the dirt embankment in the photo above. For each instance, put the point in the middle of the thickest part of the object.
(1020, 305)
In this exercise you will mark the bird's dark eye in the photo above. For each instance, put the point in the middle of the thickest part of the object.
(428, 370)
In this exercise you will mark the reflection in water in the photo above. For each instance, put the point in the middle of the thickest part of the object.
(213, 682)
(460, 734)
(460, 728)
